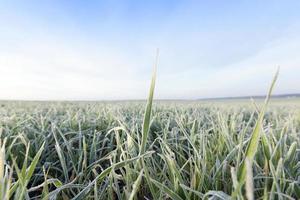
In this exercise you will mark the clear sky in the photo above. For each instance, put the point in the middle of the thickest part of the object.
(94, 50)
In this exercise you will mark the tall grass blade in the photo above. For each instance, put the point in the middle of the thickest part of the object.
(147, 116)
(254, 139)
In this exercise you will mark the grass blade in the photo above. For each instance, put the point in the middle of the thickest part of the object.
(147, 116)
(254, 140)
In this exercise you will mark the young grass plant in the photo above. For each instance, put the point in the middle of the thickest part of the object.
(254, 141)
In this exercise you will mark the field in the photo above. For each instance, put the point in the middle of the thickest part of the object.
(194, 150)
(183, 150)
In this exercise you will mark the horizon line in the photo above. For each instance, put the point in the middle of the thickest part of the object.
(282, 95)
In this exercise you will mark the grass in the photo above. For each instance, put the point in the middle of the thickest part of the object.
(171, 150)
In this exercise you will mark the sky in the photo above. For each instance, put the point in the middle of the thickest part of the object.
(105, 50)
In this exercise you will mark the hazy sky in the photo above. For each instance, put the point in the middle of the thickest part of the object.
(62, 49)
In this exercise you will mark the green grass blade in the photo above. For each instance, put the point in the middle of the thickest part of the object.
(254, 140)
(61, 156)
(136, 185)
(147, 116)
(32, 166)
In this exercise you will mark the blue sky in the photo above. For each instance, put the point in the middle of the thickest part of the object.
(93, 50)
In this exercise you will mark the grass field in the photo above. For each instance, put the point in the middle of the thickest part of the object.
(194, 150)
(172, 150)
